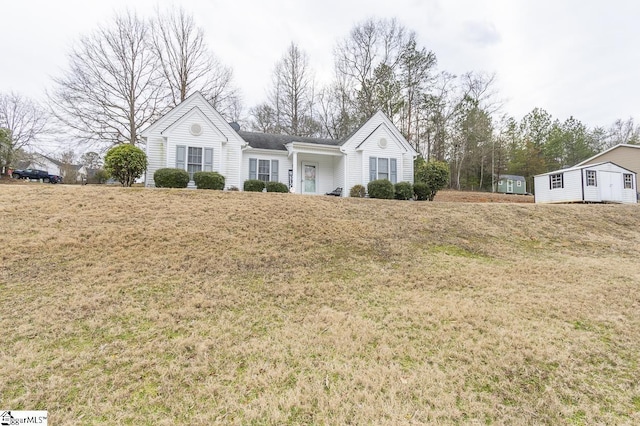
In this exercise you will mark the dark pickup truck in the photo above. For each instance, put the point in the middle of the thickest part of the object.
(36, 174)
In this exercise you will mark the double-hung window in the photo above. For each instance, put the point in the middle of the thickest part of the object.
(556, 181)
(194, 159)
(591, 178)
(264, 170)
(383, 168)
(628, 180)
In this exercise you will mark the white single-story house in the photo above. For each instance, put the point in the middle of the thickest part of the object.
(193, 136)
(604, 182)
(624, 155)
(54, 167)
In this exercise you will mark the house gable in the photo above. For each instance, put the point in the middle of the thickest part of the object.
(194, 123)
(625, 155)
(198, 124)
(375, 126)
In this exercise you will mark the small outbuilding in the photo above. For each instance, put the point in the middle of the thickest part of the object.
(511, 184)
(604, 182)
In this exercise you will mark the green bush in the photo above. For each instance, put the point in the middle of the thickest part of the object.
(253, 185)
(358, 191)
(126, 163)
(171, 178)
(276, 187)
(99, 176)
(421, 191)
(404, 190)
(434, 173)
(209, 180)
(381, 188)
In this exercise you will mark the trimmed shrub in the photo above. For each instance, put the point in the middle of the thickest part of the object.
(358, 191)
(126, 163)
(253, 185)
(381, 188)
(276, 187)
(434, 173)
(421, 191)
(171, 178)
(209, 180)
(99, 176)
(404, 190)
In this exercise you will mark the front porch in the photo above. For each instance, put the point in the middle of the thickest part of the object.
(315, 173)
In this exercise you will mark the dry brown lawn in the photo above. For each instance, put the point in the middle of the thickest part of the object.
(159, 307)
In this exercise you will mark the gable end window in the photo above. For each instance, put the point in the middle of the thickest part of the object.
(628, 180)
(556, 181)
(383, 168)
(264, 170)
(591, 178)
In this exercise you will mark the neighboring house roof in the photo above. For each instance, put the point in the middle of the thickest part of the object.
(277, 142)
(626, 145)
(579, 167)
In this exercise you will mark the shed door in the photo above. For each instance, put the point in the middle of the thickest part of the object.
(509, 186)
(610, 186)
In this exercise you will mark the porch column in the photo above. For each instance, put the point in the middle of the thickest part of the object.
(295, 172)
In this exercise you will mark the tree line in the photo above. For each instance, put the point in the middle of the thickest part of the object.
(127, 73)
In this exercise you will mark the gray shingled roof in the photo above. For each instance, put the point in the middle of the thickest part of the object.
(277, 142)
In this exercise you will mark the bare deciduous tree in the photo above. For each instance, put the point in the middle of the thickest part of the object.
(24, 121)
(111, 89)
(186, 64)
(291, 99)
(372, 45)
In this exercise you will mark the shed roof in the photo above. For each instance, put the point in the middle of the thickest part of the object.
(512, 177)
(586, 166)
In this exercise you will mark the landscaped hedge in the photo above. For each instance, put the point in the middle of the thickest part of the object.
(171, 178)
(358, 191)
(253, 185)
(381, 188)
(421, 191)
(209, 180)
(276, 187)
(404, 190)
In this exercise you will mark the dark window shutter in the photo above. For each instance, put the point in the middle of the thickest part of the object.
(373, 168)
(208, 159)
(181, 151)
(253, 168)
(394, 170)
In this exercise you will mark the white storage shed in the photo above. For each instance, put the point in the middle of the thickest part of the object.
(604, 182)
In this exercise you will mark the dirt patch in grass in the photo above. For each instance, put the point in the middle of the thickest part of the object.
(157, 306)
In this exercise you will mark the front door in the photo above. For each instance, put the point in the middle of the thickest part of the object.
(309, 176)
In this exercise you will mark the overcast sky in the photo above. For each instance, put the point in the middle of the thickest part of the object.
(569, 57)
